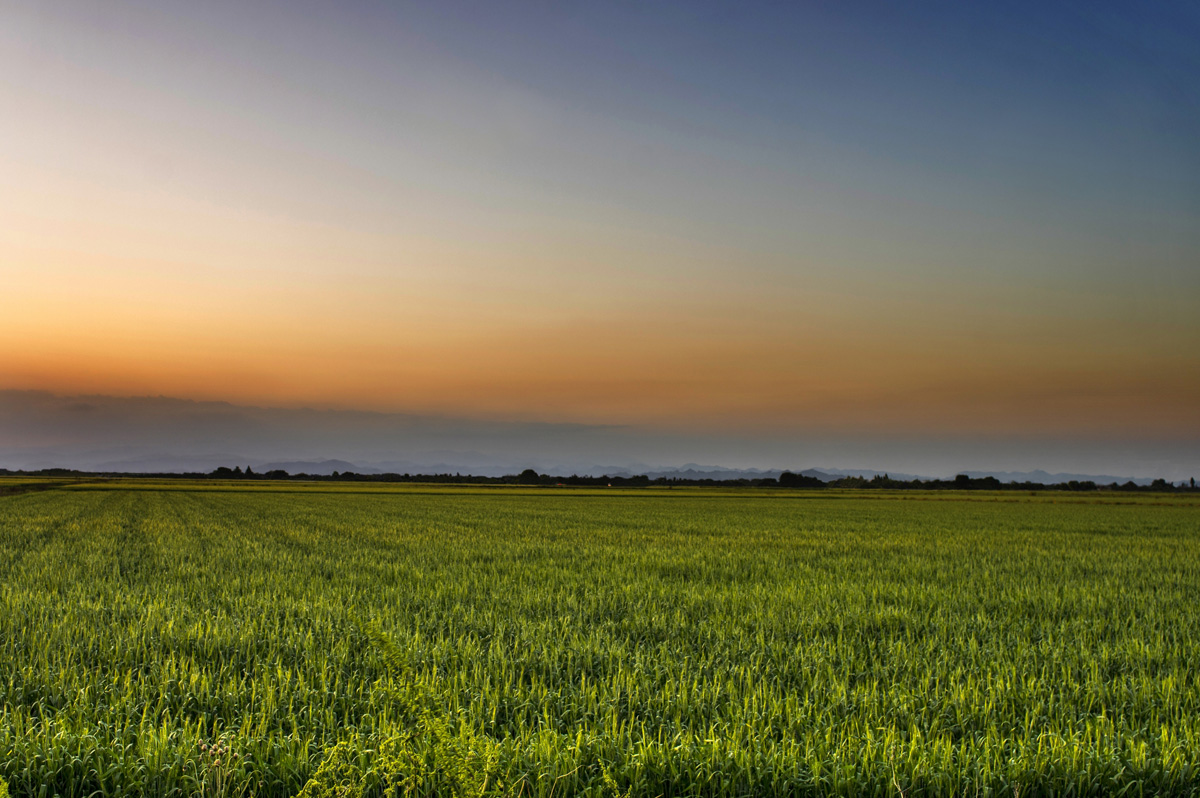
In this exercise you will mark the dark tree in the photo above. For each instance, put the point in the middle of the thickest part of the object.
(789, 480)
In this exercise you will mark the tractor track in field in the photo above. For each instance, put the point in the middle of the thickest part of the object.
(14, 490)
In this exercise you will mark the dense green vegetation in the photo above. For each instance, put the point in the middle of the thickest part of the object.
(162, 640)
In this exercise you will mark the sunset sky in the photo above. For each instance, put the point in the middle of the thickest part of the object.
(954, 225)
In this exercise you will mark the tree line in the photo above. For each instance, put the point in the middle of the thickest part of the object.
(787, 479)
(529, 476)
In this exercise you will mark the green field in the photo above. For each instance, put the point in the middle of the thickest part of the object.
(404, 641)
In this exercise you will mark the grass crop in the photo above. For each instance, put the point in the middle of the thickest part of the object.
(175, 640)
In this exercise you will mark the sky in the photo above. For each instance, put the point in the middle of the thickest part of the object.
(936, 235)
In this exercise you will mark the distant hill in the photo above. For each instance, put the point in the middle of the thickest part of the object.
(494, 467)
(169, 463)
(160, 434)
(830, 474)
(166, 463)
(1053, 479)
(322, 467)
(693, 471)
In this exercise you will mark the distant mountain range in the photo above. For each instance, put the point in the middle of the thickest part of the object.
(166, 463)
(1052, 479)
(147, 434)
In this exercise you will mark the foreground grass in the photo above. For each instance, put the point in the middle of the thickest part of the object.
(222, 641)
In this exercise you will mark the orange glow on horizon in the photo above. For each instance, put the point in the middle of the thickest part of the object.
(657, 375)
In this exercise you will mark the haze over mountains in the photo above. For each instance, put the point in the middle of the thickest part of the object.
(161, 434)
(688, 471)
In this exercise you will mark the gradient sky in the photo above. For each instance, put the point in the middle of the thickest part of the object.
(886, 221)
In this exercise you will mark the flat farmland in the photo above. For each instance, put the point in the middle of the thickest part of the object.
(180, 639)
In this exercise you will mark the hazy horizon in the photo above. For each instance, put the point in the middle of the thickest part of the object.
(91, 432)
(924, 238)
